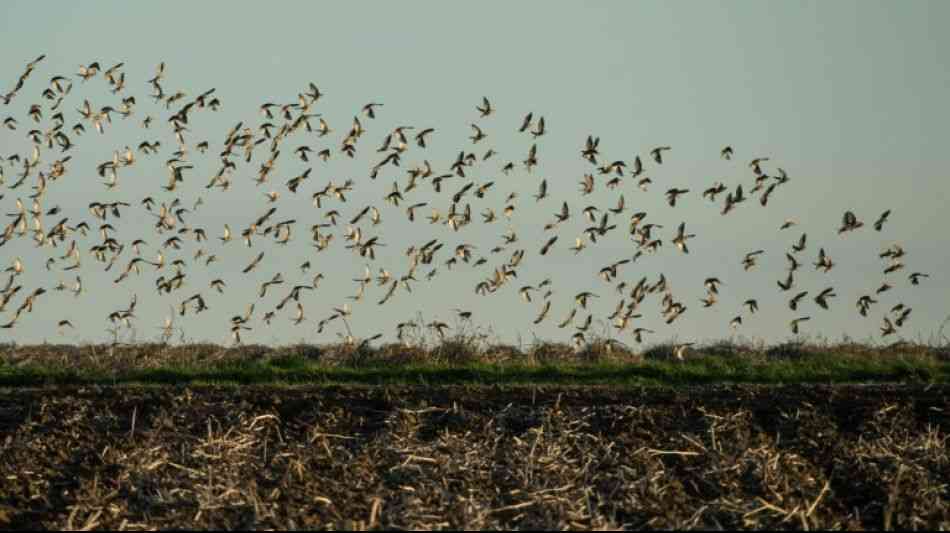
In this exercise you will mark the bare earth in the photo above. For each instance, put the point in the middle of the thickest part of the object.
(476, 457)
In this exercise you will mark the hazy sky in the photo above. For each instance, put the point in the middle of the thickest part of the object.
(849, 97)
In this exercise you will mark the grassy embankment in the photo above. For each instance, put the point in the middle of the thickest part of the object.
(460, 363)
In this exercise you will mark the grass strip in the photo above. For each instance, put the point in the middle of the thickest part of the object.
(707, 370)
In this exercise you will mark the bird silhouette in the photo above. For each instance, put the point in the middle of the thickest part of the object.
(169, 138)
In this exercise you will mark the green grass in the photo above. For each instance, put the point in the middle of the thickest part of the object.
(706, 370)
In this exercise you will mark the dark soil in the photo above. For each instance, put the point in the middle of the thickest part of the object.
(795, 457)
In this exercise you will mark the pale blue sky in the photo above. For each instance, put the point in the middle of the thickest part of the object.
(848, 97)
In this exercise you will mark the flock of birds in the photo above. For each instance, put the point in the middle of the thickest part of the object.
(295, 133)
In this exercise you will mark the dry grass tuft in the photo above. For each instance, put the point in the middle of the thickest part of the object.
(464, 345)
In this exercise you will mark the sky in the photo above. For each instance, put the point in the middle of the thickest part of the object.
(848, 97)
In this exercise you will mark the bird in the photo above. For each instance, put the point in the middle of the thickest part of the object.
(526, 123)
(657, 153)
(849, 222)
(879, 223)
(755, 164)
(887, 328)
(590, 151)
(568, 320)
(794, 324)
(679, 350)
(253, 263)
(478, 135)
(749, 261)
(254, 149)
(638, 334)
(542, 191)
(582, 297)
(824, 262)
(673, 194)
(547, 245)
(716, 189)
(544, 312)
(539, 130)
(368, 109)
(712, 284)
(486, 108)
(800, 245)
(752, 304)
(299, 316)
(793, 303)
(421, 136)
(788, 283)
(864, 303)
(439, 327)
(782, 177)
(821, 298)
(681, 237)
(903, 317)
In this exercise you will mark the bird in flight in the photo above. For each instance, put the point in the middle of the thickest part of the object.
(485, 109)
(657, 153)
(290, 142)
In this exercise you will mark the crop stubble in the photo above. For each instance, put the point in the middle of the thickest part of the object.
(469, 457)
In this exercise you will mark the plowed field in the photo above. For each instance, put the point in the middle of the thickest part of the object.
(475, 457)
